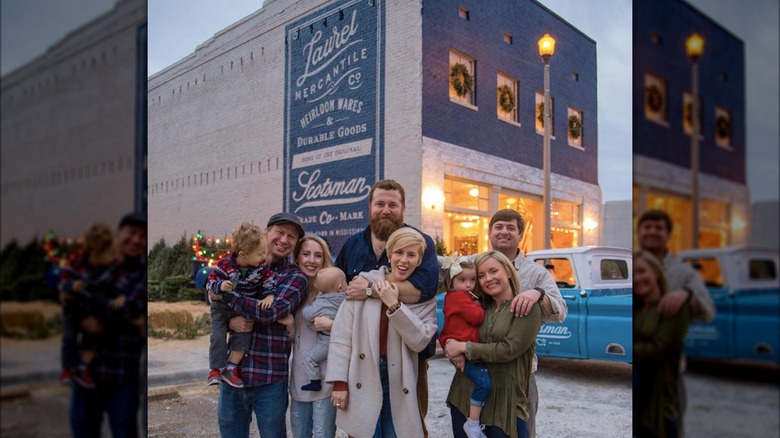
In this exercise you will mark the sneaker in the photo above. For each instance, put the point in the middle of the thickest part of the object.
(83, 378)
(232, 378)
(214, 378)
(474, 430)
(65, 377)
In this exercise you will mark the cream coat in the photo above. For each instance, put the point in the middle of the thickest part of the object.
(354, 358)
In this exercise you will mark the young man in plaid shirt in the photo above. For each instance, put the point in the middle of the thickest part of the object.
(117, 368)
(265, 365)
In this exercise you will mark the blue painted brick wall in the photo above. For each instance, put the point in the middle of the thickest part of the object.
(674, 21)
(482, 38)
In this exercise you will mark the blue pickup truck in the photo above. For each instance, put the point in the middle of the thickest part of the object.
(743, 283)
(596, 284)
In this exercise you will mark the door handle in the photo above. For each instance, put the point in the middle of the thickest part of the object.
(569, 297)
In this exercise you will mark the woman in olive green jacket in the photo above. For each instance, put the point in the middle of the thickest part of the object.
(658, 347)
(506, 346)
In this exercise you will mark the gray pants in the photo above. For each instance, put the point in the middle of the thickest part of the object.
(218, 346)
(533, 406)
(317, 354)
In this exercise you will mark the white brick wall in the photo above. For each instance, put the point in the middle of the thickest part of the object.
(235, 118)
(68, 139)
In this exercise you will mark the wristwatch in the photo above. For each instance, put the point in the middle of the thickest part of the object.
(368, 289)
(542, 292)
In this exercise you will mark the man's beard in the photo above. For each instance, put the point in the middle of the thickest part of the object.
(383, 226)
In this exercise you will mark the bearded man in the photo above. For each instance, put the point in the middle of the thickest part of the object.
(365, 251)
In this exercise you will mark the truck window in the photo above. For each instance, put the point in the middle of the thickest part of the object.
(709, 269)
(762, 269)
(561, 270)
(614, 269)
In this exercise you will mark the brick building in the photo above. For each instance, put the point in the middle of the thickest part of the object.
(662, 124)
(73, 130)
(302, 106)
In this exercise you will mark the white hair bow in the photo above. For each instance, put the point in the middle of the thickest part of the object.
(452, 263)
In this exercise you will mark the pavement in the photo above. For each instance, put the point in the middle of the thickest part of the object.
(170, 362)
(31, 362)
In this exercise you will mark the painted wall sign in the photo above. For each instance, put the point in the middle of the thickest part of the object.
(333, 116)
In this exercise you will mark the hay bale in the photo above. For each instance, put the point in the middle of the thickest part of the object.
(169, 318)
(22, 320)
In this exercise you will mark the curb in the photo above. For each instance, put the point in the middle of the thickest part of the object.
(175, 378)
(162, 393)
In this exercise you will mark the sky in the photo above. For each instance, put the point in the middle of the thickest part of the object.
(30, 26)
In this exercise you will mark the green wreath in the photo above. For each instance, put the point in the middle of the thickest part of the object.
(575, 127)
(655, 99)
(540, 113)
(506, 98)
(461, 79)
(723, 127)
(689, 113)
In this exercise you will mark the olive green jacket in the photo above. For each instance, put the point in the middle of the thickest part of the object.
(507, 347)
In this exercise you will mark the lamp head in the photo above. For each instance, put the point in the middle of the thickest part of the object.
(546, 46)
(694, 46)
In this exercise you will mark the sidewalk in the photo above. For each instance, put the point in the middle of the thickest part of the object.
(170, 362)
(29, 361)
(32, 362)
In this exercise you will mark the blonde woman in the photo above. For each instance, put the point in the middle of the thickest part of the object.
(373, 349)
(658, 346)
(506, 346)
(311, 412)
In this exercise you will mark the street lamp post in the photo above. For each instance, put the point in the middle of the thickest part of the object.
(694, 46)
(546, 50)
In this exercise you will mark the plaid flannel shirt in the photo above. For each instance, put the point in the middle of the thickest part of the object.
(268, 356)
(119, 356)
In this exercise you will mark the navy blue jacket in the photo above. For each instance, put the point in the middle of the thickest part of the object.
(358, 256)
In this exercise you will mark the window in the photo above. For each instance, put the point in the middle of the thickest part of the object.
(762, 269)
(507, 37)
(614, 270)
(506, 98)
(655, 99)
(463, 80)
(709, 269)
(539, 113)
(463, 13)
(723, 127)
(574, 127)
(561, 270)
(688, 113)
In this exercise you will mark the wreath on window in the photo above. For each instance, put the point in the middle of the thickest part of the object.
(723, 127)
(540, 113)
(461, 79)
(506, 98)
(689, 114)
(575, 126)
(655, 99)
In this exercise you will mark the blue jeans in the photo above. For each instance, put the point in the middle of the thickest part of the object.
(384, 426)
(119, 402)
(458, 419)
(313, 419)
(268, 402)
(478, 373)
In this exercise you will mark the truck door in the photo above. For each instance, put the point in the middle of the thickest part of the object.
(714, 339)
(563, 340)
(757, 311)
(609, 317)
